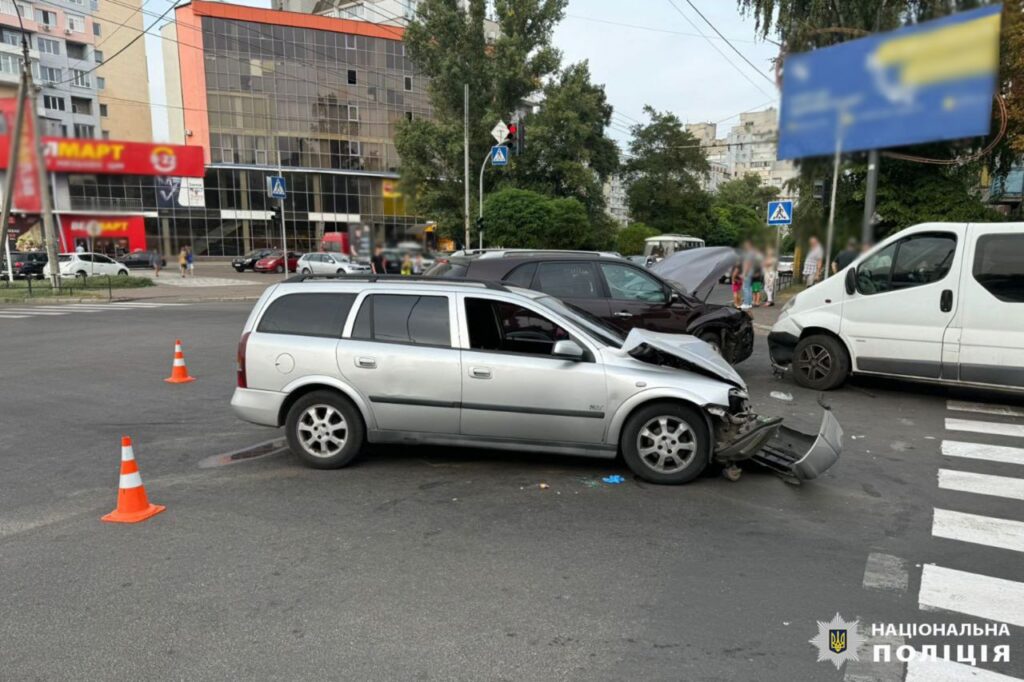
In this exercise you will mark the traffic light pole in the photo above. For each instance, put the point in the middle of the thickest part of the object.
(481, 218)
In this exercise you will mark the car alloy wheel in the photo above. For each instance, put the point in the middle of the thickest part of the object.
(820, 362)
(666, 444)
(279, 268)
(322, 431)
(307, 271)
(815, 363)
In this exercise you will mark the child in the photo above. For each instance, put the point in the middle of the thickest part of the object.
(737, 285)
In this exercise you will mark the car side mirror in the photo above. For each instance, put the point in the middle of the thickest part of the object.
(851, 281)
(568, 349)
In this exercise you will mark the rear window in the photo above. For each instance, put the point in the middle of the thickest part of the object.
(448, 270)
(568, 280)
(521, 276)
(999, 266)
(420, 320)
(307, 315)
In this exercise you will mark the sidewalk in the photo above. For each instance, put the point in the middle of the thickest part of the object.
(215, 281)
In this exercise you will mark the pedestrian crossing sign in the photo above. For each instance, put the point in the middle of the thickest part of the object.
(276, 188)
(499, 155)
(780, 212)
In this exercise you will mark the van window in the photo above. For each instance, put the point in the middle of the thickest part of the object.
(307, 315)
(911, 262)
(999, 266)
(421, 320)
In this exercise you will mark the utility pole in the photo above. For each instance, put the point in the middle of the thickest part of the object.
(12, 163)
(284, 232)
(867, 230)
(481, 223)
(465, 125)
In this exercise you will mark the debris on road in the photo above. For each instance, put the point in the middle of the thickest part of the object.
(614, 479)
(543, 486)
(779, 395)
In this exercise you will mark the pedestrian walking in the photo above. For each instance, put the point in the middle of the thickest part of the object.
(183, 261)
(749, 265)
(154, 261)
(406, 264)
(771, 274)
(379, 264)
(190, 261)
(417, 264)
(736, 277)
(813, 262)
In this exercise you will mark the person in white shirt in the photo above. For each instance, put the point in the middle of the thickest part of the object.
(812, 265)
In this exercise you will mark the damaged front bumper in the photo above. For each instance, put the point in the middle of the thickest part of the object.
(784, 450)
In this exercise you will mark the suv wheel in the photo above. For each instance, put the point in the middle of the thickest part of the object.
(324, 430)
(666, 443)
(713, 339)
(820, 362)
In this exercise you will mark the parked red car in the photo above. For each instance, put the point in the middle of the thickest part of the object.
(275, 263)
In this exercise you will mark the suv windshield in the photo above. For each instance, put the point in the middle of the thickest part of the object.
(596, 326)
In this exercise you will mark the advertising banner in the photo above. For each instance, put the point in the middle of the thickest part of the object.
(111, 157)
(26, 180)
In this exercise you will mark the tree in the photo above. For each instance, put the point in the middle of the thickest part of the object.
(567, 153)
(663, 176)
(447, 44)
(522, 219)
(631, 238)
(747, 191)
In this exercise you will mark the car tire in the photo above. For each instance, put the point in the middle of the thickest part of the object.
(713, 339)
(279, 269)
(122, 273)
(670, 452)
(81, 274)
(341, 271)
(308, 428)
(820, 362)
(239, 269)
(307, 271)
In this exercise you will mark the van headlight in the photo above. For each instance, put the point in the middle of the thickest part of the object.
(790, 303)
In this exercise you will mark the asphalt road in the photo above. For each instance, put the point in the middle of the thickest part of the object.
(450, 564)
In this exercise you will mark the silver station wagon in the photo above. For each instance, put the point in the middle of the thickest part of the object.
(339, 361)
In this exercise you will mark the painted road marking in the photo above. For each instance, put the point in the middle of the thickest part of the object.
(886, 572)
(991, 453)
(940, 670)
(978, 595)
(982, 484)
(992, 428)
(867, 669)
(7, 316)
(981, 530)
(985, 408)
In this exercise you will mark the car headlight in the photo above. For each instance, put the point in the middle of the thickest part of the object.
(790, 303)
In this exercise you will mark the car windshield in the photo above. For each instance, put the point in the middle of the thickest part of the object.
(610, 336)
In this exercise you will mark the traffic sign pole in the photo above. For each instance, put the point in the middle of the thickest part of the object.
(867, 232)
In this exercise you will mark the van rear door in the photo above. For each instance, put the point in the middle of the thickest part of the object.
(992, 306)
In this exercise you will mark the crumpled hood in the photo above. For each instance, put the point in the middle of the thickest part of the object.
(697, 271)
(690, 352)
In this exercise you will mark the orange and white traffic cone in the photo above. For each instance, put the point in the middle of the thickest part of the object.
(132, 504)
(179, 372)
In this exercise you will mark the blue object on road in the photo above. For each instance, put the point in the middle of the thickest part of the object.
(931, 81)
(499, 155)
(614, 479)
(780, 212)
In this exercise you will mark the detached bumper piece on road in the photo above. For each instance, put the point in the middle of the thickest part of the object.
(794, 455)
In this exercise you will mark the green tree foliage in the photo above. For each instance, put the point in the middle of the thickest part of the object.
(738, 209)
(747, 191)
(567, 153)
(631, 239)
(447, 44)
(663, 176)
(523, 219)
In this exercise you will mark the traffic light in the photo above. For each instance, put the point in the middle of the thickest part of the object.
(515, 138)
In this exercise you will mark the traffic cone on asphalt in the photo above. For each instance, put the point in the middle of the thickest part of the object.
(179, 372)
(132, 504)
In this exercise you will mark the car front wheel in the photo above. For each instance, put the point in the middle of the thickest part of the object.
(713, 339)
(307, 271)
(820, 362)
(324, 430)
(279, 269)
(666, 443)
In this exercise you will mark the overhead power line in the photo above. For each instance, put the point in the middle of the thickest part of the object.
(649, 28)
(727, 42)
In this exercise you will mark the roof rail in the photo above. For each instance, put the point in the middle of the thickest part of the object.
(384, 279)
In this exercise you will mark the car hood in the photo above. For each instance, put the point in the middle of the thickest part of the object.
(696, 271)
(681, 351)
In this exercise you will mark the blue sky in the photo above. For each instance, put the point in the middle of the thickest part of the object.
(664, 63)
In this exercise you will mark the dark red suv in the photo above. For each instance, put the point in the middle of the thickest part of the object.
(613, 289)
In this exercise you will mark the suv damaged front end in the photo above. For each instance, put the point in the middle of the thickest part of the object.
(739, 433)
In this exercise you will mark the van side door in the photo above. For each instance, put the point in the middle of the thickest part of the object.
(992, 306)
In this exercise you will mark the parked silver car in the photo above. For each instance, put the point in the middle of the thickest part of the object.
(453, 362)
(325, 263)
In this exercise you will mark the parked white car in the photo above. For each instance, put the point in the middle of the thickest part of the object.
(324, 263)
(938, 302)
(86, 265)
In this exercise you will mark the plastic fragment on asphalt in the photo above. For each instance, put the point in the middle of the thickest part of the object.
(543, 486)
(614, 479)
(779, 395)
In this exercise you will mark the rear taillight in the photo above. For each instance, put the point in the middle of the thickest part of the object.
(17, 264)
(240, 360)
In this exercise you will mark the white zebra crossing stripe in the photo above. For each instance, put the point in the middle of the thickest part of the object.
(991, 428)
(885, 572)
(985, 408)
(992, 453)
(5, 316)
(939, 670)
(983, 596)
(982, 484)
(980, 530)
(57, 310)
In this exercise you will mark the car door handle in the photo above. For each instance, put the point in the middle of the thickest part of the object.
(480, 372)
(623, 314)
(946, 301)
(366, 363)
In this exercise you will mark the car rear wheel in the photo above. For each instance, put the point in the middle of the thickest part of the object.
(307, 271)
(324, 430)
(81, 274)
(279, 269)
(666, 443)
(122, 273)
(820, 362)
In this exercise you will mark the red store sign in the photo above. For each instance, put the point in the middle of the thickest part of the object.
(112, 157)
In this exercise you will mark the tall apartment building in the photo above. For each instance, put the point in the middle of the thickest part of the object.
(750, 146)
(616, 200)
(80, 95)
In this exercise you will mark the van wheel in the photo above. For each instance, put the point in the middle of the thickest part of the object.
(820, 362)
(324, 430)
(666, 443)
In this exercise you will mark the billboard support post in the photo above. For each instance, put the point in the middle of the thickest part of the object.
(832, 204)
(867, 233)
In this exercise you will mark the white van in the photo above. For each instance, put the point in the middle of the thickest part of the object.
(939, 302)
